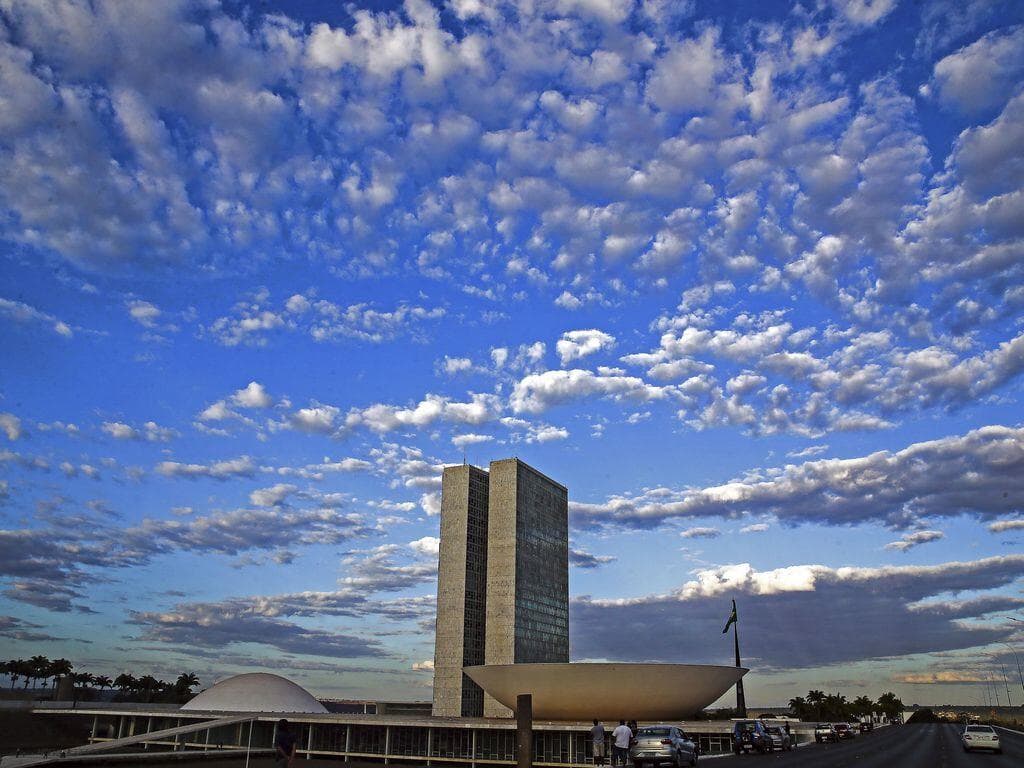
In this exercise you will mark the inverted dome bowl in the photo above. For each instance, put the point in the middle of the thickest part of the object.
(581, 692)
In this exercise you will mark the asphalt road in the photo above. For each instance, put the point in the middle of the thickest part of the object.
(906, 746)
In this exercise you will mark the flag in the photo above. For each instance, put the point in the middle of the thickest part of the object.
(732, 618)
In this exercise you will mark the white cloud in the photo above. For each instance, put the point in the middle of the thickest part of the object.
(865, 12)
(755, 528)
(536, 393)
(150, 431)
(297, 304)
(243, 466)
(274, 496)
(700, 533)
(684, 79)
(974, 473)
(143, 312)
(253, 395)
(23, 313)
(454, 365)
(911, 540)
(461, 441)
(428, 546)
(431, 504)
(10, 425)
(575, 345)
(1006, 525)
(316, 419)
(981, 75)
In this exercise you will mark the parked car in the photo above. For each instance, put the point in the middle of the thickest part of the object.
(750, 736)
(663, 744)
(845, 731)
(779, 738)
(825, 732)
(981, 737)
(865, 727)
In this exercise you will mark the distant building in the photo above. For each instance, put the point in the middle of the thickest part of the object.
(503, 579)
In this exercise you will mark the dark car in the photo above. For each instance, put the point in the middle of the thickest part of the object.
(845, 731)
(866, 726)
(779, 738)
(662, 744)
(750, 736)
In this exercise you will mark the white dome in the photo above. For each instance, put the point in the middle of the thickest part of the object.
(256, 692)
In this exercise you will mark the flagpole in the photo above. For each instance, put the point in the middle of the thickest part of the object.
(741, 702)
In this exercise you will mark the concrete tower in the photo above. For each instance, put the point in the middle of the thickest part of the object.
(503, 579)
(461, 591)
(527, 570)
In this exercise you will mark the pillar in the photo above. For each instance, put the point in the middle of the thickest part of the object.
(524, 730)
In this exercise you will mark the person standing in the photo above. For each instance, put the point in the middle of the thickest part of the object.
(284, 745)
(597, 737)
(620, 748)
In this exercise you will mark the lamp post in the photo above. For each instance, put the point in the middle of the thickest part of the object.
(1017, 659)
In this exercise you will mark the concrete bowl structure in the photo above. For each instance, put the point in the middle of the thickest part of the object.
(580, 692)
(256, 692)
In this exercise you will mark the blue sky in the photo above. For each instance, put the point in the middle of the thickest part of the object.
(748, 283)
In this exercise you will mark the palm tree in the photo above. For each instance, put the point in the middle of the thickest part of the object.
(798, 707)
(126, 682)
(185, 683)
(40, 669)
(25, 668)
(147, 684)
(863, 706)
(80, 680)
(102, 681)
(816, 699)
(59, 668)
(890, 705)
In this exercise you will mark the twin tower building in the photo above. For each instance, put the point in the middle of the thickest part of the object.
(503, 579)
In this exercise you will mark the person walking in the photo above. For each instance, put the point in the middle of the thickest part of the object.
(597, 737)
(620, 748)
(284, 745)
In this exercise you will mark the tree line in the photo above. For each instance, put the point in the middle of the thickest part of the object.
(834, 707)
(145, 688)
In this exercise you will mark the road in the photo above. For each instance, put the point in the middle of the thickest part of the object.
(907, 746)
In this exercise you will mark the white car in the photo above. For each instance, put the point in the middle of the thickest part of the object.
(981, 737)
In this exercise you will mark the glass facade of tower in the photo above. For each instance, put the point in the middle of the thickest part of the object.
(476, 592)
(542, 569)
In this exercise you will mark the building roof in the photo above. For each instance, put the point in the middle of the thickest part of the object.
(576, 692)
(256, 692)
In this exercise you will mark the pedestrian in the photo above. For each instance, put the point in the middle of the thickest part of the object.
(284, 745)
(620, 748)
(597, 736)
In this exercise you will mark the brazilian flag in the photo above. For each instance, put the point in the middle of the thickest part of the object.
(732, 618)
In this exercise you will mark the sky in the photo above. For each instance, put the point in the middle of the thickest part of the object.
(745, 277)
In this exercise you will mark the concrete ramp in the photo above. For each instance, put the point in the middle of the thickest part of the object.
(101, 747)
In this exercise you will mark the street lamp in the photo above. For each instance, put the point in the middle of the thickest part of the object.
(1017, 659)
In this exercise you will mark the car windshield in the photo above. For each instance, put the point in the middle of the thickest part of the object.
(775, 730)
(979, 729)
(748, 727)
(654, 732)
